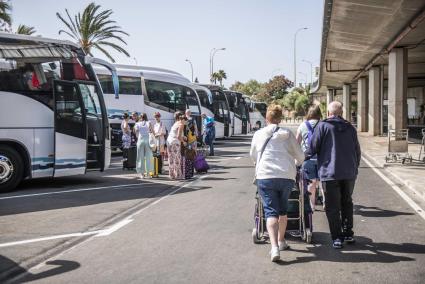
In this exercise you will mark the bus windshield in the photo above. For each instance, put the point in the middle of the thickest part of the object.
(262, 108)
(171, 97)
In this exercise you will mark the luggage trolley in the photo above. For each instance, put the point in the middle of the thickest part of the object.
(300, 223)
(300, 215)
(398, 146)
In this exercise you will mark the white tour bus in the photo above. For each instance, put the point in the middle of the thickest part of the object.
(257, 113)
(147, 90)
(207, 106)
(238, 112)
(53, 117)
(221, 111)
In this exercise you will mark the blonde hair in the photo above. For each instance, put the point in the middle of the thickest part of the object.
(274, 114)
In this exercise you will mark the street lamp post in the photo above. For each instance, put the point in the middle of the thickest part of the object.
(305, 76)
(212, 53)
(191, 67)
(311, 70)
(295, 54)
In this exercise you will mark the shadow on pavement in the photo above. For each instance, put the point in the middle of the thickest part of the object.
(373, 211)
(83, 198)
(364, 250)
(14, 270)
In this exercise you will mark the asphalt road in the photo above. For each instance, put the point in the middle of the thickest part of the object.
(113, 228)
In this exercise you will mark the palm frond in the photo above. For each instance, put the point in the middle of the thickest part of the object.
(104, 52)
(94, 28)
(5, 9)
(25, 30)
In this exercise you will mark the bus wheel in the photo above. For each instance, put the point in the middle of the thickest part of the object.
(11, 168)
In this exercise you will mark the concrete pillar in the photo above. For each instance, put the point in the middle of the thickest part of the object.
(329, 96)
(397, 89)
(362, 105)
(346, 101)
(374, 101)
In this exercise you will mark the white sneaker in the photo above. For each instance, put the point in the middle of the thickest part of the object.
(142, 177)
(283, 245)
(274, 254)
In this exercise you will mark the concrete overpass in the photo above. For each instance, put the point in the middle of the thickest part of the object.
(373, 61)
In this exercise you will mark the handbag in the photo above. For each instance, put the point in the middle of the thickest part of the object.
(152, 139)
(261, 154)
(152, 142)
(190, 154)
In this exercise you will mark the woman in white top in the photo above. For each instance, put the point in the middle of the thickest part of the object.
(174, 141)
(275, 173)
(144, 153)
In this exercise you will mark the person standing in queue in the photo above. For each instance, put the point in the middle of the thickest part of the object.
(275, 152)
(338, 157)
(144, 153)
(209, 132)
(135, 118)
(174, 142)
(126, 135)
(159, 131)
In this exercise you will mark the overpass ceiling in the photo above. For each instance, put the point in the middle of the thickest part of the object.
(360, 29)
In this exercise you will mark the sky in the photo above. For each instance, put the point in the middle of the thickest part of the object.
(258, 35)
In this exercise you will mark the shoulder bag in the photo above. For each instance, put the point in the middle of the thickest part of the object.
(261, 153)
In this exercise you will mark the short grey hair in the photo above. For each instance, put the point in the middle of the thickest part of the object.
(188, 111)
(335, 108)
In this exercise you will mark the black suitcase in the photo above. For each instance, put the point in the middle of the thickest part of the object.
(129, 155)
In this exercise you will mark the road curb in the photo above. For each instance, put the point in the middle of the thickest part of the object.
(396, 177)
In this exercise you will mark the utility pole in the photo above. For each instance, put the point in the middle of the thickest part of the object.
(191, 67)
(295, 54)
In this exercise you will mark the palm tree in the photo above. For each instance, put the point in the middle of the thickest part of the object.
(222, 76)
(5, 13)
(94, 29)
(25, 30)
(215, 77)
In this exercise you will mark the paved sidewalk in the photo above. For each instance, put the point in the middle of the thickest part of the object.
(411, 175)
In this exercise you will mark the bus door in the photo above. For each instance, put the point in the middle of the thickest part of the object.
(97, 128)
(70, 129)
(226, 120)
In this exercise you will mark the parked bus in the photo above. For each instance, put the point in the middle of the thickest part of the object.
(147, 90)
(257, 113)
(53, 116)
(221, 111)
(238, 112)
(207, 107)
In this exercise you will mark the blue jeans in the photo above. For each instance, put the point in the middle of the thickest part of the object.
(275, 194)
(310, 169)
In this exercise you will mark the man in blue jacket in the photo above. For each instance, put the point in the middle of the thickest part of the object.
(338, 157)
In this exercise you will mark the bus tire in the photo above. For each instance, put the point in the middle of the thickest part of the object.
(11, 168)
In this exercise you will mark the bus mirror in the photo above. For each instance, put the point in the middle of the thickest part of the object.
(116, 84)
(110, 67)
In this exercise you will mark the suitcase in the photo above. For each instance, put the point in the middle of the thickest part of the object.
(155, 172)
(129, 155)
(200, 164)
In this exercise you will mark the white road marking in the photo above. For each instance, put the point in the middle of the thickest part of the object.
(227, 159)
(397, 189)
(114, 227)
(76, 190)
(49, 238)
(98, 233)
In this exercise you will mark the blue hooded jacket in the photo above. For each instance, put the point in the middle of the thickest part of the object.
(338, 151)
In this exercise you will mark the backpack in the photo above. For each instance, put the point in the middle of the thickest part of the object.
(310, 133)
